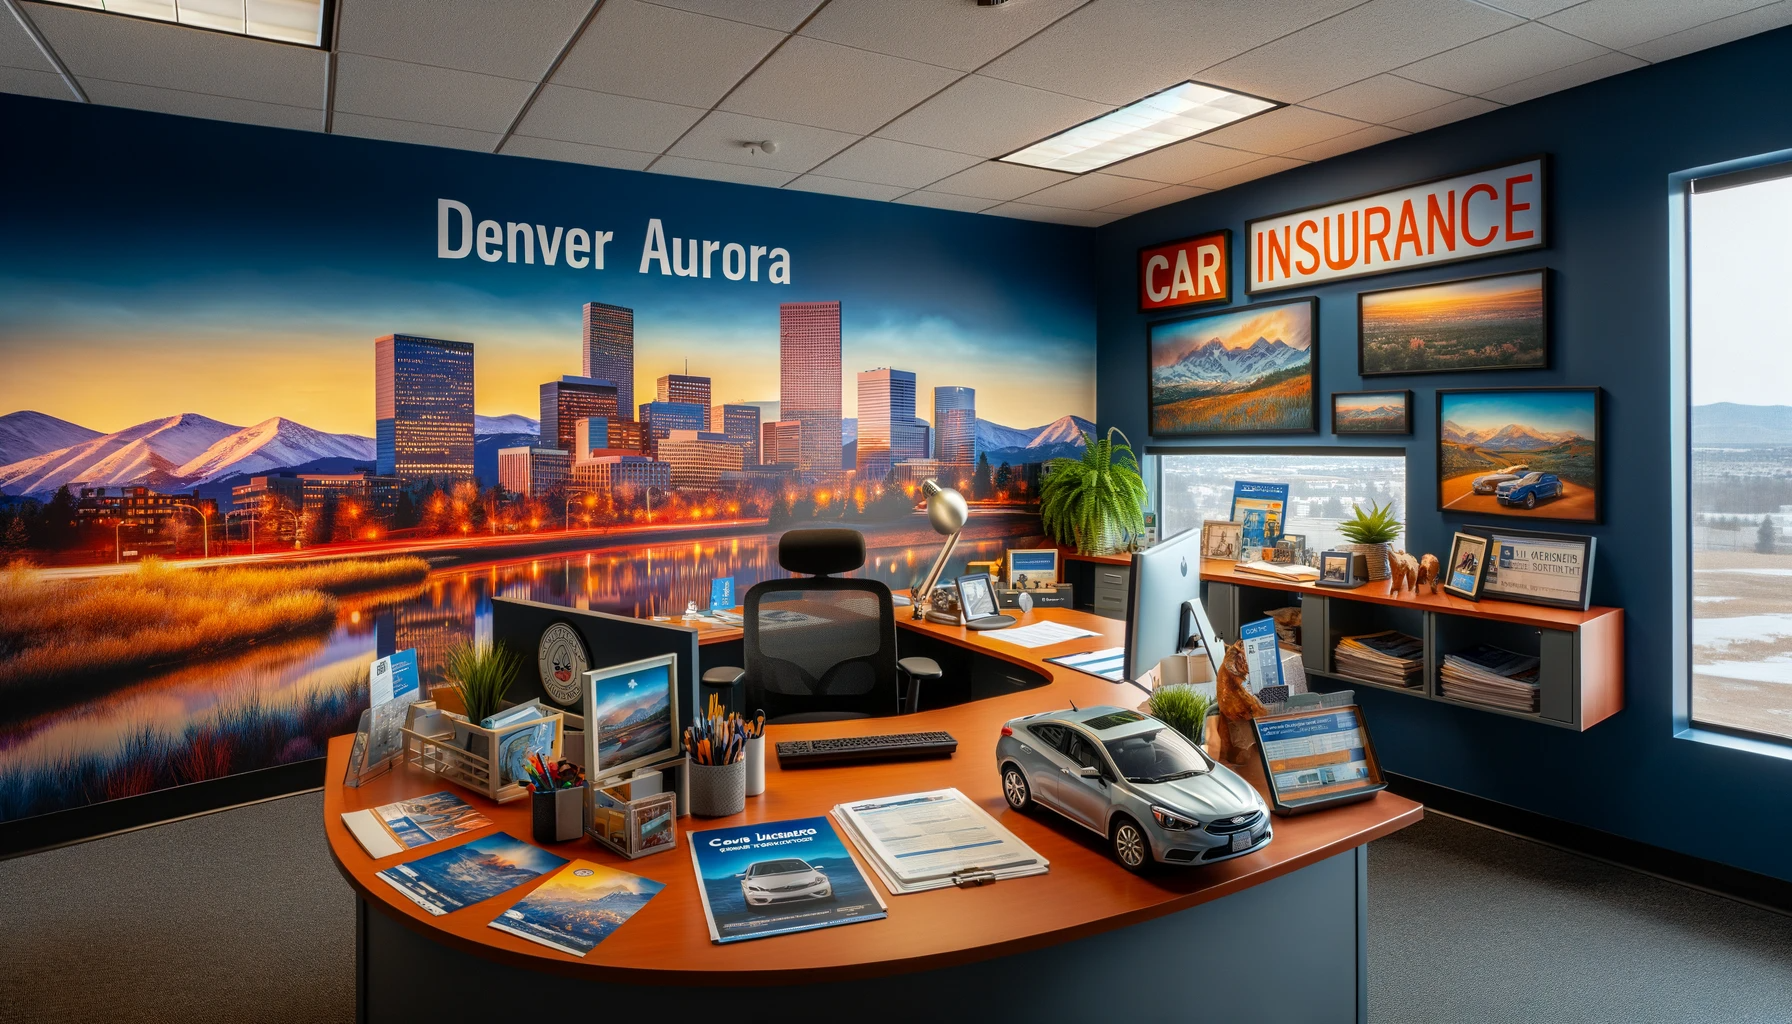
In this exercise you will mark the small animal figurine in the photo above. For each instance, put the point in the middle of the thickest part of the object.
(1428, 572)
(1238, 705)
(1405, 571)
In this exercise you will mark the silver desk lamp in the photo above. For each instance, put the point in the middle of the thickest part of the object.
(946, 513)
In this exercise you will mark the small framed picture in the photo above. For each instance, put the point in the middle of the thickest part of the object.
(1467, 567)
(1031, 568)
(1222, 538)
(1372, 412)
(1341, 569)
(1550, 569)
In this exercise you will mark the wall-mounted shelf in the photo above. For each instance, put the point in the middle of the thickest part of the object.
(1581, 654)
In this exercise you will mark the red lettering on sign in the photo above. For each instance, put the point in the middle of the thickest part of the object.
(1512, 208)
(1300, 239)
(1343, 262)
(1408, 231)
(1370, 234)
(1468, 236)
(1435, 216)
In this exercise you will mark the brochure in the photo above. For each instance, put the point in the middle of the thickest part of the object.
(931, 840)
(579, 907)
(1262, 654)
(392, 687)
(778, 877)
(410, 823)
(1269, 502)
(447, 881)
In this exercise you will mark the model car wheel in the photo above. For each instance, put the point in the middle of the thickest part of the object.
(1130, 846)
(1530, 500)
(1015, 789)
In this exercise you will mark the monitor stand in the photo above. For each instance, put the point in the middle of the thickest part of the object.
(991, 622)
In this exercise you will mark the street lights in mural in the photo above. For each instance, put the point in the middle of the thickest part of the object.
(298, 526)
(241, 512)
(205, 527)
(590, 501)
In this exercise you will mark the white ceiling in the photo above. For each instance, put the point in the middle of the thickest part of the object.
(894, 100)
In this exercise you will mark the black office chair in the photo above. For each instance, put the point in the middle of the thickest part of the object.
(819, 648)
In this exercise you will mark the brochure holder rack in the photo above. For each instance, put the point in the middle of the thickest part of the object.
(474, 756)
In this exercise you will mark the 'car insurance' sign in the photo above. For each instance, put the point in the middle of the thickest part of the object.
(1188, 272)
(1468, 216)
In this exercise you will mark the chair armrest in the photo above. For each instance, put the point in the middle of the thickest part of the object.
(916, 669)
(726, 675)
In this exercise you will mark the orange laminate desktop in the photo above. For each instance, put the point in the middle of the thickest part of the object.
(667, 943)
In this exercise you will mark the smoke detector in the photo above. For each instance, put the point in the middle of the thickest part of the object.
(768, 146)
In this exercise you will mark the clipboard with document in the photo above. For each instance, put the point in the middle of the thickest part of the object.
(920, 841)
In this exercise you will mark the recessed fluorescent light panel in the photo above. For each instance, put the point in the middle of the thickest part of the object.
(286, 21)
(1179, 112)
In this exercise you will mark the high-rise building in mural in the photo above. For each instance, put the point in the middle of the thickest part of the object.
(809, 380)
(423, 408)
(740, 423)
(661, 418)
(609, 350)
(566, 401)
(699, 458)
(780, 442)
(532, 471)
(955, 424)
(682, 387)
(887, 422)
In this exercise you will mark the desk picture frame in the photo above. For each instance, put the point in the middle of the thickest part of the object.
(1466, 569)
(614, 749)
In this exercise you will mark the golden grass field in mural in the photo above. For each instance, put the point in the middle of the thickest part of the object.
(56, 630)
(1287, 405)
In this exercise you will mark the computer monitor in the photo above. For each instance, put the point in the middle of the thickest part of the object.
(1165, 578)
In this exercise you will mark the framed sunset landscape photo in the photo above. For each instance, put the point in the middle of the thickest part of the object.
(1528, 453)
(1494, 322)
(1372, 412)
(1248, 370)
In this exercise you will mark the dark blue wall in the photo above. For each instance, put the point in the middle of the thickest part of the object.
(1613, 144)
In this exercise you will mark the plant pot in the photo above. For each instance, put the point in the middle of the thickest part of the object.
(1376, 556)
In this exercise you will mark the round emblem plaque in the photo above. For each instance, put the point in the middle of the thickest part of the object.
(563, 662)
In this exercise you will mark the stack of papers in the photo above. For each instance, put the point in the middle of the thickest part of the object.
(1389, 657)
(1039, 634)
(1493, 676)
(1289, 573)
(921, 841)
(407, 824)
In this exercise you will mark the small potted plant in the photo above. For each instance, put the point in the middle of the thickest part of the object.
(480, 675)
(1370, 533)
(1097, 502)
(1182, 708)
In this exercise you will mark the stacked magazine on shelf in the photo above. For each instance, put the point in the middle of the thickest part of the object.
(1492, 676)
(1389, 657)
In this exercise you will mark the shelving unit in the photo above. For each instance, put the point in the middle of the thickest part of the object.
(1581, 654)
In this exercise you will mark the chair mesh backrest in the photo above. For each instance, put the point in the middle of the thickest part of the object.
(820, 645)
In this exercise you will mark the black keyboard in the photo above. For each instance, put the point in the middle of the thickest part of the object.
(896, 746)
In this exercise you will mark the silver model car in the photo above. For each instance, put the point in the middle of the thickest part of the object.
(1135, 780)
(783, 881)
(1490, 482)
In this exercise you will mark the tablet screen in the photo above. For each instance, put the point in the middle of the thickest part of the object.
(1318, 753)
(977, 596)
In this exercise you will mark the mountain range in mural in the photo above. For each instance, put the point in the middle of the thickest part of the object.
(1509, 438)
(1212, 366)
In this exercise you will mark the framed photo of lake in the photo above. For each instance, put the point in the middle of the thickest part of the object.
(1551, 569)
(1372, 412)
(1247, 370)
(1495, 322)
(1528, 453)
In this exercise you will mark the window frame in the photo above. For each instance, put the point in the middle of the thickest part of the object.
(1156, 453)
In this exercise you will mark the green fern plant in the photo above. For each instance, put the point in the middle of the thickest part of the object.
(1376, 526)
(1096, 501)
(481, 674)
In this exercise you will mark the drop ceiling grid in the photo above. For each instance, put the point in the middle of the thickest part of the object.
(907, 101)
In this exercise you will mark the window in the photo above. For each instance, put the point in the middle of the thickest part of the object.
(1323, 486)
(1739, 467)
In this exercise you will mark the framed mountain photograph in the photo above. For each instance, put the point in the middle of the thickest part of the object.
(1248, 370)
(1372, 412)
(1496, 322)
(1531, 453)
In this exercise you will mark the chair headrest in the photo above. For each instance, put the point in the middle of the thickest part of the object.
(821, 552)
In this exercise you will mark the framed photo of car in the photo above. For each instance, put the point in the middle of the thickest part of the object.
(1527, 453)
(1466, 570)
(1550, 569)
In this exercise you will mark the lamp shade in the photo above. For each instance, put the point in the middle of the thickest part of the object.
(946, 510)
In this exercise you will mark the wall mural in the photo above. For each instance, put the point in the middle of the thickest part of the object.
(275, 404)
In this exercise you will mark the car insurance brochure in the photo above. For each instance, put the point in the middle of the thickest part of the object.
(777, 877)
(407, 824)
(579, 907)
(447, 881)
(921, 841)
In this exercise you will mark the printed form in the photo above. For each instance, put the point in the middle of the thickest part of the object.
(928, 840)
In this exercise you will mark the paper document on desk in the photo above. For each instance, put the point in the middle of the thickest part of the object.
(1039, 634)
(1108, 663)
(921, 841)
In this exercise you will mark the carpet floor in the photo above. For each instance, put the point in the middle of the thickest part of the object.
(240, 917)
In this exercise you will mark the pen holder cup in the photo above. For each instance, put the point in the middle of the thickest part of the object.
(559, 814)
(755, 766)
(717, 790)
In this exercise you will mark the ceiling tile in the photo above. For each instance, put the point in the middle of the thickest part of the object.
(198, 104)
(1261, 167)
(1566, 78)
(783, 15)
(576, 153)
(685, 167)
(1511, 56)
(1378, 36)
(1279, 131)
(1358, 139)
(657, 53)
(1455, 110)
(464, 34)
(1154, 199)
(1531, 8)
(1053, 215)
(1090, 192)
(599, 119)
(1380, 99)
(809, 81)
(44, 84)
(134, 50)
(1180, 162)
(956, 35)
(1624, 23)
(997, 181)
(1116, 51)
(721, 136)
(1714, 33)
(392, 130)
(842, 187)
(889, 162)
(989, 118)
(377, 87)
(19, 50)
(943, 201)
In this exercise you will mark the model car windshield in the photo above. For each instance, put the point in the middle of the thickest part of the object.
(776, 867)
(1158, 756)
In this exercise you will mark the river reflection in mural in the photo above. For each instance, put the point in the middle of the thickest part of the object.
(279, 702)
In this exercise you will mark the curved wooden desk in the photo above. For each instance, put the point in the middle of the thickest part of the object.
(667, 944)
